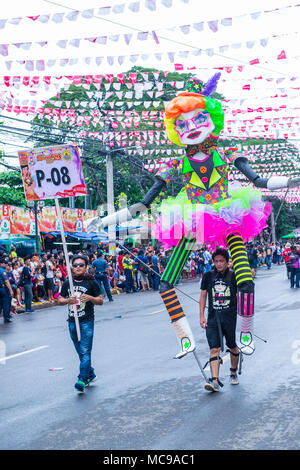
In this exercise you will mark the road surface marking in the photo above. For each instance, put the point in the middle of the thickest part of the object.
(158, 311)
(3, 359)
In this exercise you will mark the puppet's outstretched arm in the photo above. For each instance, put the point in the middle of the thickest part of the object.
(274, 182)
(161, 179)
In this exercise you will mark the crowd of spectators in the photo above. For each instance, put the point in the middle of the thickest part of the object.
(40, 278)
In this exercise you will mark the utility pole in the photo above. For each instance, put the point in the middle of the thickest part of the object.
(273, 226)
(110, 196)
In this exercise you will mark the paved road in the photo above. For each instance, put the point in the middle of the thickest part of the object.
(144, 399)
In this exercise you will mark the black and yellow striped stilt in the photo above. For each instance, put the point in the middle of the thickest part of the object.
(239, 258)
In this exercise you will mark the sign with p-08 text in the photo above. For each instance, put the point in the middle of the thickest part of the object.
(52, 172)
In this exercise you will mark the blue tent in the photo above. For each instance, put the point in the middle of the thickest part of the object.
(88, 237)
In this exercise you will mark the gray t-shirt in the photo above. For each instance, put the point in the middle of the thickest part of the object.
(49, 274)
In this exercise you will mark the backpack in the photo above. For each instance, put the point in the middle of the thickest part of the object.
(142, 267)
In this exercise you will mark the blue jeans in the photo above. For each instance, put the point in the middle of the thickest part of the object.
(156, 280)
(129, 283)
(295, 277)
(268, 261)
(84, 347)
(102, 279)
(28, 296)
(5, 301)
(207, 267)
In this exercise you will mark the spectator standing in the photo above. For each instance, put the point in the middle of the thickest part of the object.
(13, 253)
(295, 267)
(63, 268)
(155, 265)
(269, 256)
(50, 277)
(26, 278)
(101, 267)
(141, 260)
(286, 257)
(128, 263)
(207, 260)
(6, 292)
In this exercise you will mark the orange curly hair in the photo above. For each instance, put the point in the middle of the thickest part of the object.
(183, 103)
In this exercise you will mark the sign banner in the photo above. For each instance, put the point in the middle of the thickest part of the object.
(52, 172)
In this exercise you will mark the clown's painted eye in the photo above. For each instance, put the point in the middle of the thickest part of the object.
(200, 119)
(181, 126)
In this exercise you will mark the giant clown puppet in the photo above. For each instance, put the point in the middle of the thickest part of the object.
(205, 210)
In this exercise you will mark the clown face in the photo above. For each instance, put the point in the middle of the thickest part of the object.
(194, 127)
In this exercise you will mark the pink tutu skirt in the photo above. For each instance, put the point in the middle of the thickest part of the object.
(243, 212)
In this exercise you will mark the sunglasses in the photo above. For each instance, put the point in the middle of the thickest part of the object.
(80, 265)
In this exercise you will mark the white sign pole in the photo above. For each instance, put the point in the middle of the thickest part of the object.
(64, 244)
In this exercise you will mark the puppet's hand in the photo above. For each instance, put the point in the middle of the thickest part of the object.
(293, 182)
(93, 225)
(277, 182)
(125, 215)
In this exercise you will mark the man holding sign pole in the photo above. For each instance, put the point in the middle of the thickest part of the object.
(86, 294)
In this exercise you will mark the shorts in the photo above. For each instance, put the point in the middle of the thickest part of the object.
(49, 283)
(142, 277)
(253, 264)
(228, 326)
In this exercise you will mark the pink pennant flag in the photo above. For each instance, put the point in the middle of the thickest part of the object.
(109, 77)
(178, 66)
(98, 78)
(254, 61)
(121, 78)
(132, 77)
(77, 79)
(33, 18)
(282, 55)
(246, 87)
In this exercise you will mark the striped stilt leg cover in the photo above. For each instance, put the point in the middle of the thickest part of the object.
(244, 281)
(170, 299)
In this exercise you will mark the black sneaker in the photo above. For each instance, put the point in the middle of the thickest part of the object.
(80, 385)
(213, 386)
(92, 378)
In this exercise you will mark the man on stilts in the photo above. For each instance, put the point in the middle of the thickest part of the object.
(205, 210)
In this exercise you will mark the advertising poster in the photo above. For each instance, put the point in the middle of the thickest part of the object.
(52, 172)
(72, 221)
(4, 222)
(21, 221)
(47, 219)
(87, 214)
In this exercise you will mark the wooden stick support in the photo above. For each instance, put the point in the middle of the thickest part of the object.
(68, 266)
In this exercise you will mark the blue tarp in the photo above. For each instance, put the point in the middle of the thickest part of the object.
(93, 236)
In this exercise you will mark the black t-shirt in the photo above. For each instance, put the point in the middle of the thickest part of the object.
(222, 292)
(85, 311)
